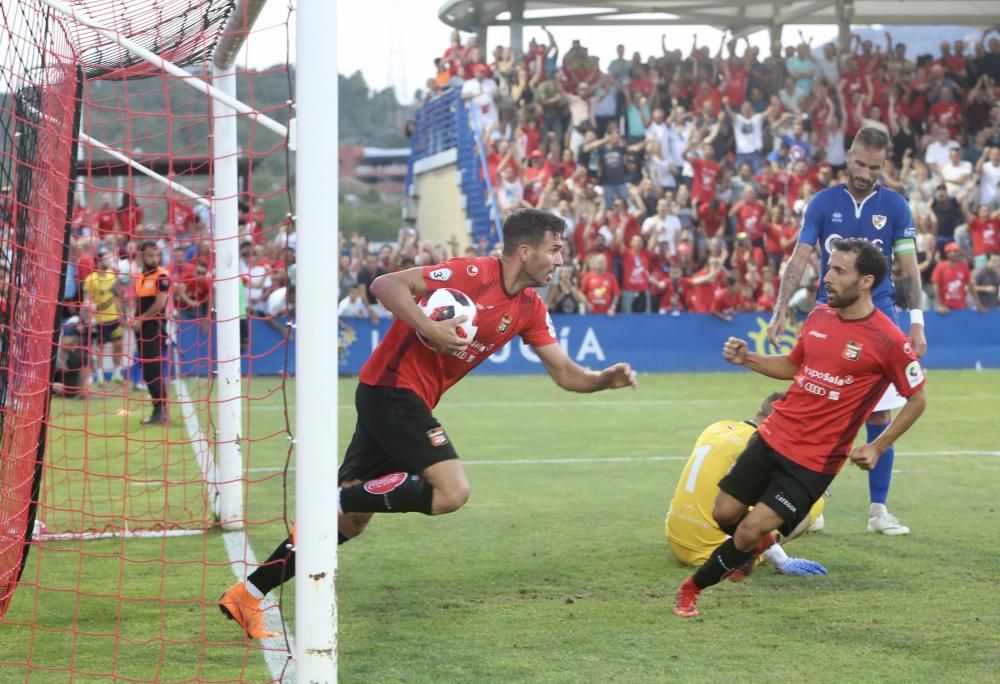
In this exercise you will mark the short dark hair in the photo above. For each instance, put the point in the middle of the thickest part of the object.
(146, 244)
(767, 406)
(529, 226)
(870, 260)
(872, 138)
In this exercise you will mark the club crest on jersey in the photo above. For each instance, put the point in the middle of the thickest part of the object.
(852, 352)
(504, 323)
(878, 220)
(437, 437)
(472, 270)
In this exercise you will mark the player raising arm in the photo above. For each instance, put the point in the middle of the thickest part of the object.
(846, 355)
(400, 459)
(861, 208)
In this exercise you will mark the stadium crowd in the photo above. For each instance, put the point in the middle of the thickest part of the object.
(682, 177)
(104, 263)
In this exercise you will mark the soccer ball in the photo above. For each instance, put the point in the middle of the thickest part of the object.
(447, 303)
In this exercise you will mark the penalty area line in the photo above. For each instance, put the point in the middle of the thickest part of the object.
(648, 459)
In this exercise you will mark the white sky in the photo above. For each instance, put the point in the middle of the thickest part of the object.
(394, 42)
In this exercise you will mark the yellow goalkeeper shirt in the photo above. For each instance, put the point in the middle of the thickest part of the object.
(99, 286)
(689, 520)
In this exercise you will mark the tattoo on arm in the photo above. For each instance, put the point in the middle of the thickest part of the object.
(790, 281)
(909, 283)
(911, 297)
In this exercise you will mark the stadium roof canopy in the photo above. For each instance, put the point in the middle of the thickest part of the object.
(740, 16)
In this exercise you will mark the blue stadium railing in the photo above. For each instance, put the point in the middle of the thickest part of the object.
(442, 124)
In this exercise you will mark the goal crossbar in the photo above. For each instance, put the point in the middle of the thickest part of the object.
(138, 166)
(142, 168)
(168, 66)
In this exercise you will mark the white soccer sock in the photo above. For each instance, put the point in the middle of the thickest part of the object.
(877, 509)
(254, 591)
(776, 556)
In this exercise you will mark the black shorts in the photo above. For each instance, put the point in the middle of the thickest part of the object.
(395, 433)
(101, 333)
(762, 475)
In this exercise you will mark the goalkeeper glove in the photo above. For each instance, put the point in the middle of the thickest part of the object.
(801, 566)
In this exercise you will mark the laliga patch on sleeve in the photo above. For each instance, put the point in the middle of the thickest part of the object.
(914, 373)
(440, 274)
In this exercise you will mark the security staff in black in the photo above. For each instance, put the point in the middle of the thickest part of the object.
(152, 289)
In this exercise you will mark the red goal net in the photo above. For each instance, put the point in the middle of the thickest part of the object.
(117, 447)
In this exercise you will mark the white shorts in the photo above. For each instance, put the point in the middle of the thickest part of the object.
(892, 399)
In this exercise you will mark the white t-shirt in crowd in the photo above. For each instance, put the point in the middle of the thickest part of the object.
(352, 308)
(749, 133)
(937, 153)
(988, 179)
(484, 103)
(955, 175)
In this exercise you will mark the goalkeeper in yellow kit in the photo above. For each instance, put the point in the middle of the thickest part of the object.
(691, 531)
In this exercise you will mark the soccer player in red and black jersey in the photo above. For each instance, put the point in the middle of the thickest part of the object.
(847, 354)
(400, 459)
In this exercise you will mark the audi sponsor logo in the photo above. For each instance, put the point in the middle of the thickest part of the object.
(813, 388)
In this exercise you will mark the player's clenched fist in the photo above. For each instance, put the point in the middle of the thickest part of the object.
(735, 351)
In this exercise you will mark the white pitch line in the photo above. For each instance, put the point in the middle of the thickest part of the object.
(277, 656)
(602, 403)
(628, 459)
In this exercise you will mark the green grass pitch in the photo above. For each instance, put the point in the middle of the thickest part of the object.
(556, 570)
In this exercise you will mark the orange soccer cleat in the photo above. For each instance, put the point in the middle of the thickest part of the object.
(686, 601)
(239, 605)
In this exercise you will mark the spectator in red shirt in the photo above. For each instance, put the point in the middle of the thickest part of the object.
(193, 291)
(81, 222)
(600, 287)
(105, 218)
(635, 275)
(984, 227)
(699, 289)
(774, 232)
(728, 300)
(953, 281)
(765, 301)
(130, 215)
(749, 213)
(181, 219)
(713, 217)
(499, 159)
(662, 296)
(745, 256)
(706, 175)
(707, 101)
(536, 177)
(947, 112)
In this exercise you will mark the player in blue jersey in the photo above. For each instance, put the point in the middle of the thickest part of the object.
(861, 208)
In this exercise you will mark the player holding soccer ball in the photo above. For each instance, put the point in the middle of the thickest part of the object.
(845, 357)
(862, 208)
(400, 459)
